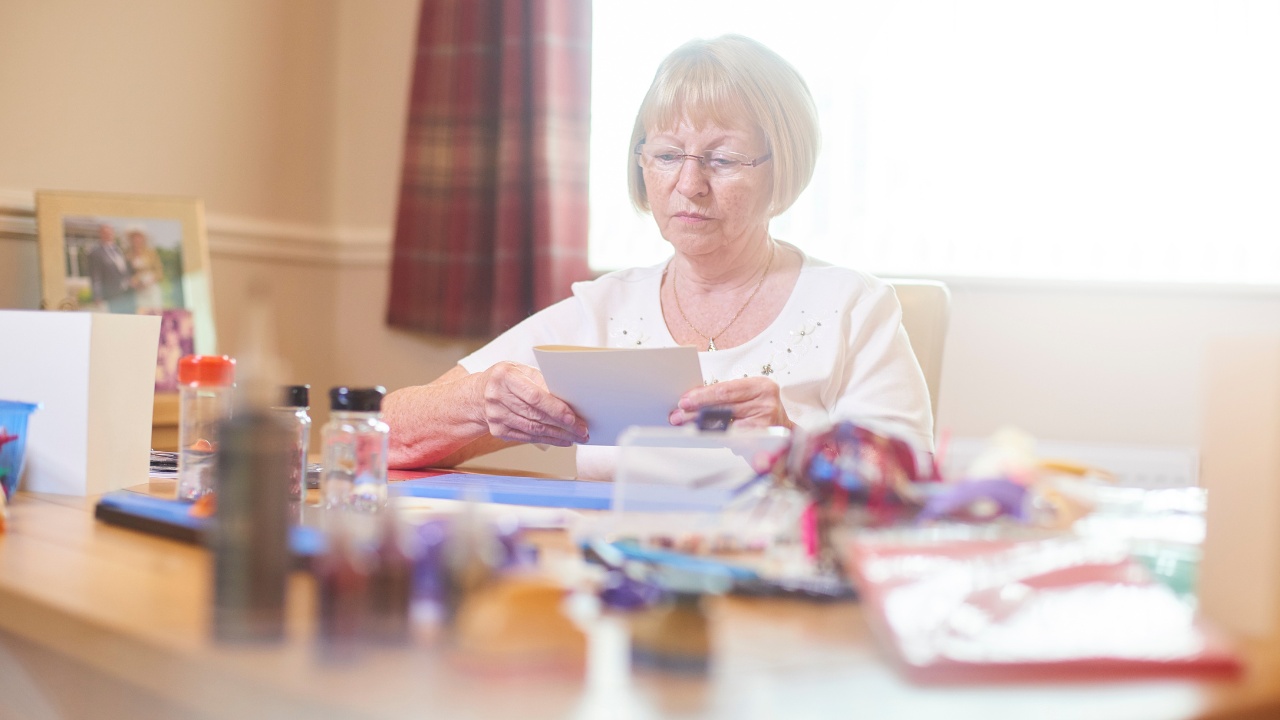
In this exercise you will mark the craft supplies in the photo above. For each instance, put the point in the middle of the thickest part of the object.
(1054, 608)
(699, 490)
(341, 588)
(355, 446)
(364, 583)
(853, 475)
(436, 581)
(979, 500)
(623, 589)
(13, 442)
(295, 403)
(674, 635)
(173, 519)
(470, 557)
(390, 585)
(637, 576)
(204, 403)
(250, 533)
(249, 536)
(859, 478)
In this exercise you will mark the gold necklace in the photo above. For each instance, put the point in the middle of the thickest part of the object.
(711, 339)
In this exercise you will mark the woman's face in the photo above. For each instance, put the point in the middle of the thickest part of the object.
(701, 215)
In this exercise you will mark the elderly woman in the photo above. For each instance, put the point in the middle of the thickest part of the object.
(725, 140)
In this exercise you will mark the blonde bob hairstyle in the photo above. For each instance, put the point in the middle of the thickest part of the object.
(734, 82)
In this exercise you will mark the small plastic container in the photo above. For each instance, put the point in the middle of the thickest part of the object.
(13, 442)
(355, 446)
(205, 385)
(700, 491)
(294, 408)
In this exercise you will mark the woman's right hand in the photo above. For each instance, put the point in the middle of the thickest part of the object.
(518, 407)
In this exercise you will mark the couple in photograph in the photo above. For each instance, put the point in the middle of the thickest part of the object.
(125, 279)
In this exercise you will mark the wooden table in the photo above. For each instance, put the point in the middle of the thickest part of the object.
(98, 621)
(164, 421)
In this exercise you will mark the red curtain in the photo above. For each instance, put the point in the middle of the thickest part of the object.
(492, 220)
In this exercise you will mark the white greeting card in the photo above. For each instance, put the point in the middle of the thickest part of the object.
(93, 375)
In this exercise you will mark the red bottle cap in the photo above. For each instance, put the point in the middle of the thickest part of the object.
(206, 370)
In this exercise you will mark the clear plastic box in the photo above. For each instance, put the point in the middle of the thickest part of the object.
(699, 490)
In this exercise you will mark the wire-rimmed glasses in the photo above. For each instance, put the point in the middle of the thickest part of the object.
(666, 159)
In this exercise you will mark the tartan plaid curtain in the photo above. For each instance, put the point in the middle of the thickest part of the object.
(492, 220)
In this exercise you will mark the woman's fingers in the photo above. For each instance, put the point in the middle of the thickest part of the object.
(755, 402)
(530, 388)
(519, 408)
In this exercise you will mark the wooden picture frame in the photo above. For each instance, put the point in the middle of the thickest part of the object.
(125, 253)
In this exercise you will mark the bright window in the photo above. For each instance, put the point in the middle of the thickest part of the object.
(1113, 139)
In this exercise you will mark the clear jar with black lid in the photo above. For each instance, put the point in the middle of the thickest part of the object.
(294, 406)
(355, 445)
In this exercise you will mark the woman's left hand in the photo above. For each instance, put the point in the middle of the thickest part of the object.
(755, 402)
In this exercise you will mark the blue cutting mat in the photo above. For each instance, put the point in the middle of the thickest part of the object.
(538, 492)
(510, 490)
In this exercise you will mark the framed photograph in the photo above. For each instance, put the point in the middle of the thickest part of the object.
(136, 254)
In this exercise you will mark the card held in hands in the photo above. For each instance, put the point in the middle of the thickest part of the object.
(615, 388)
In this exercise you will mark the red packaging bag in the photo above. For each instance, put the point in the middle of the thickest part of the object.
(1061, 608)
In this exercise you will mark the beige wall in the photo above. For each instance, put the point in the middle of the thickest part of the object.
(1084, 363)
(287, 117)
(226, 100)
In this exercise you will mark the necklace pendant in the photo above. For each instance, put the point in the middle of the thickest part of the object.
(711, 344)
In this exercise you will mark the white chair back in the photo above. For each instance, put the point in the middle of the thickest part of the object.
(926, 312)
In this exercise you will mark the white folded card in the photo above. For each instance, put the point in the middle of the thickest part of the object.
(615, 388)
(94, 376)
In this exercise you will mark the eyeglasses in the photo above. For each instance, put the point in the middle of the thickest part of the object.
(722, 163)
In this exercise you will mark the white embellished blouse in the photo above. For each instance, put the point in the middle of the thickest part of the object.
(837, 350)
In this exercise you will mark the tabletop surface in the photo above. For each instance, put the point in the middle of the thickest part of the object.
(135, 608)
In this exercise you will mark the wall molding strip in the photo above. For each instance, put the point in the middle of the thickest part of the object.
(240, 236)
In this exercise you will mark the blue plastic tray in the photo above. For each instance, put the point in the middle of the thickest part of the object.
(172, 519)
